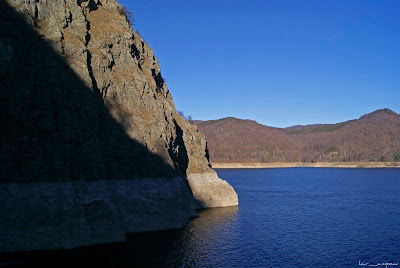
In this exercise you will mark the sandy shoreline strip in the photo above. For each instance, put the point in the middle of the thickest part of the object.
(319, 165)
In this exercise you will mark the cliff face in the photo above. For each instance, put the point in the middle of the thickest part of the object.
(90, 132)
(112, 106)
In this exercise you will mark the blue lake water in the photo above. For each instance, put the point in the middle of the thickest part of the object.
(297, 217)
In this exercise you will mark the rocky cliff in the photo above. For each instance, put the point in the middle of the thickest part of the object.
(91, 146)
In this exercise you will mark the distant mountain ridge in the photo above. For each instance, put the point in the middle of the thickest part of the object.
(373, 137)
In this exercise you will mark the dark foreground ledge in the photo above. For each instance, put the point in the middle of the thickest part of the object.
(57, 215)
(140, 249)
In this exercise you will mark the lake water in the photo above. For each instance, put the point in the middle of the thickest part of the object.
(295, 217)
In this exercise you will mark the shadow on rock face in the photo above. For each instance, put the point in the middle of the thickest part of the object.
(169, 248)
(56, 128)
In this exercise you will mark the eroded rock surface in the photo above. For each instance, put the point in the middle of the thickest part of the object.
(84, 111)
(210, 191)
(53, 215)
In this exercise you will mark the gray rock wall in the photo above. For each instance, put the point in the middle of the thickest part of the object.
(91, 146)
(52, 215)
(83, 97)
(210, 191)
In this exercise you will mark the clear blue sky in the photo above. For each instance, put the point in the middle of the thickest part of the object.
(278, 62)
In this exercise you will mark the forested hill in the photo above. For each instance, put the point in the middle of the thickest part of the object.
(372, 137)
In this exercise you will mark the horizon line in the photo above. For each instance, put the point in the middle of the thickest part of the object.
(300, 125)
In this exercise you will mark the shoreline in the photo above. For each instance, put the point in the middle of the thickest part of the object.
(315, 165)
